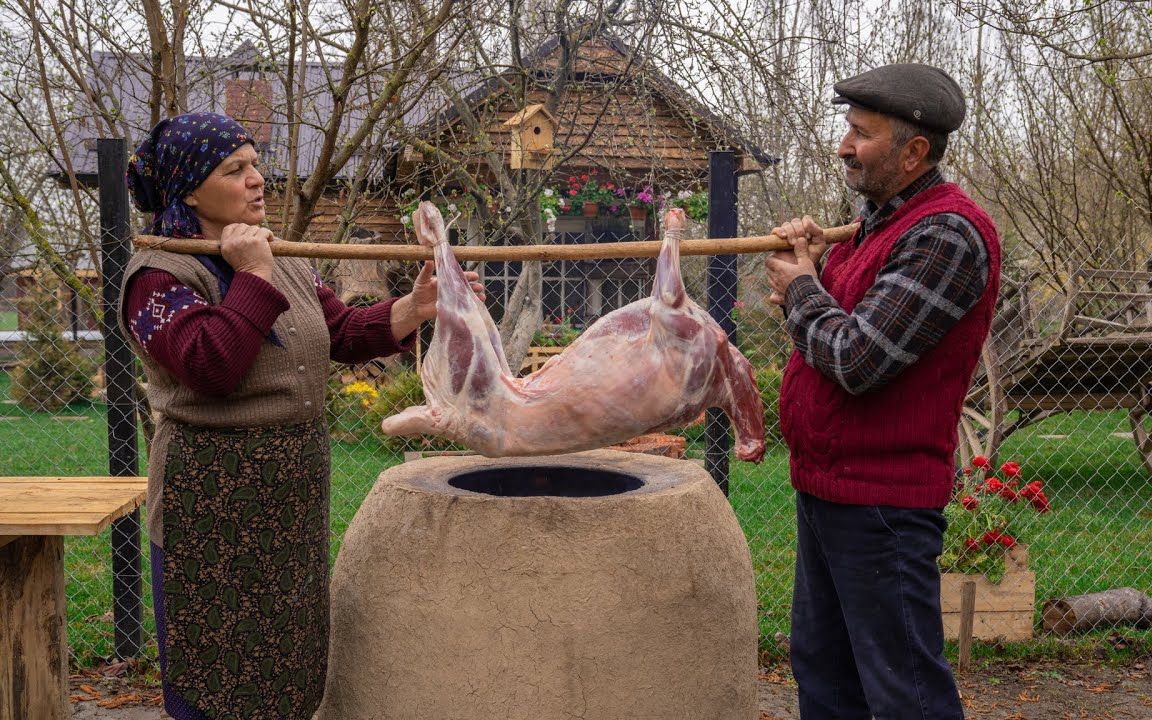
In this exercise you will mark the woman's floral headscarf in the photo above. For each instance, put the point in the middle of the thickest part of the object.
(173, 160)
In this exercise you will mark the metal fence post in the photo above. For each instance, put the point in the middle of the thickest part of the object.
(120, 386)
(722, 280)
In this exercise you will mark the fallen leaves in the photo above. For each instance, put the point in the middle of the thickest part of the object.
(118, 684)
(773, 676)
(117, 700)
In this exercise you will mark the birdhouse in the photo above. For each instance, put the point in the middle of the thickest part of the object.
(533, 134)
(409, 159)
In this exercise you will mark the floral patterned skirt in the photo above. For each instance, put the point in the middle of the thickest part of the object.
(242, 602)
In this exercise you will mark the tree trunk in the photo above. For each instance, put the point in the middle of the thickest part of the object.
(1080, 613)
(522, 317)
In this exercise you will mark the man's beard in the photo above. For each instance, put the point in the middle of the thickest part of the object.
(877, 182)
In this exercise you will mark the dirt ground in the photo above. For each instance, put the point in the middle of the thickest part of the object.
(1033, 691)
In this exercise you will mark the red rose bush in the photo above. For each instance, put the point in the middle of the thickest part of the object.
(986, 515)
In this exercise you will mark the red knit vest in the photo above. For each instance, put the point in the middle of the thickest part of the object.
(893, 445)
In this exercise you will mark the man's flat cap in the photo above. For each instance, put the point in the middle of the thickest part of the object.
(921, 94)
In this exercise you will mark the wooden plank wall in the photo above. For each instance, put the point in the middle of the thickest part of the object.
(378, 216)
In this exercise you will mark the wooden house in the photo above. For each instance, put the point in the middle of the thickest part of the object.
(619, 119)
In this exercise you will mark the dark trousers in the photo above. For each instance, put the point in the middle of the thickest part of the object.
(867, 637)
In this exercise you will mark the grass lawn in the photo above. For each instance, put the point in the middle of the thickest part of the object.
(8, 320)
(1095, 538)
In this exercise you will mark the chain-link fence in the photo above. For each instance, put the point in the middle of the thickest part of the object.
(1063, 392)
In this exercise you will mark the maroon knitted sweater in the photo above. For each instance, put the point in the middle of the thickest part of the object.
(893, 445)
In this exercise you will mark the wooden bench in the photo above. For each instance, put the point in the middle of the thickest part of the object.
(35, 515)
(537, 356)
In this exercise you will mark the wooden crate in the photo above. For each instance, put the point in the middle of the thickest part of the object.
(1003, 610)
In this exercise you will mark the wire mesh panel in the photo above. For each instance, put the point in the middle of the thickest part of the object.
(1062, 397)
(53, 421)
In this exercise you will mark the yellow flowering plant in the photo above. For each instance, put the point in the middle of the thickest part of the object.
(349, 407)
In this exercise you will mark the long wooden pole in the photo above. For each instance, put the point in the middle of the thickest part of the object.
(592, 251)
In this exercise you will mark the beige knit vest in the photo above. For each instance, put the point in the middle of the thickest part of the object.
(284, 386)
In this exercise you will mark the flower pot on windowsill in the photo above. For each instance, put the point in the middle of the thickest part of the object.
(1003, 610)
(637, 212)
(590, 209)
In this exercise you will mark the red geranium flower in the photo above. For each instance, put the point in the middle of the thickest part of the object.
(1032, 489)
(1040, 502)
(983, 515)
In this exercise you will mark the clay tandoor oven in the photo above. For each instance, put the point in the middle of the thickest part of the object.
(599, 585)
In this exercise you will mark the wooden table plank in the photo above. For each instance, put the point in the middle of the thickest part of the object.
(87, 480)
(66, 505)
(77, 523)
(35, 499)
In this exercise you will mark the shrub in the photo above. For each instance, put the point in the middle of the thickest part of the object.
(50, 371)
(349, 409)
(398, 392)
(768, 379)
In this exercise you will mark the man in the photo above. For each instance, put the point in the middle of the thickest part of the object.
(886, 337)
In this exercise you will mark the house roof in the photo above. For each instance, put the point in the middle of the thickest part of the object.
(126, 82)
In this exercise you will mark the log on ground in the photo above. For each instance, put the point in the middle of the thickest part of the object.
(1081, 613)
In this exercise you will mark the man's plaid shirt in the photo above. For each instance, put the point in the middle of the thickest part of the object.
(936, 273)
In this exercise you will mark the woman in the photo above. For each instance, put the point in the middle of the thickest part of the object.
(236, 349)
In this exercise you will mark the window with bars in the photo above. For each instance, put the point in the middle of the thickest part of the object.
(579, 290)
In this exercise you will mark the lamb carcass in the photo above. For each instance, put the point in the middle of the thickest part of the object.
(651, 365)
